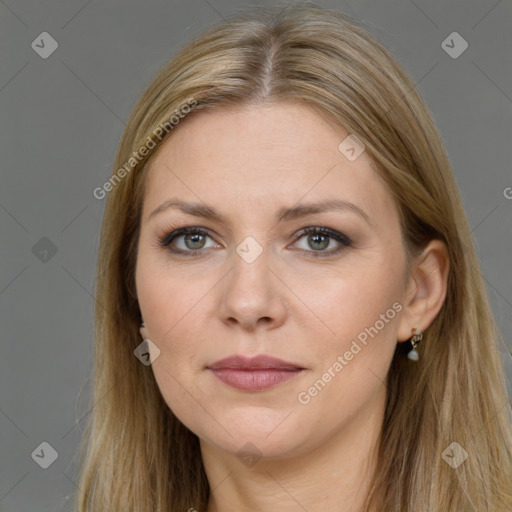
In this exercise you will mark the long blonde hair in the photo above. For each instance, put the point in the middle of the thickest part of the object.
(135, 454)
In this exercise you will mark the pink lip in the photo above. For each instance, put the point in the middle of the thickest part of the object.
(255, 373)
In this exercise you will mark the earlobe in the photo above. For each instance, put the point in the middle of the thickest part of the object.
(426, 289)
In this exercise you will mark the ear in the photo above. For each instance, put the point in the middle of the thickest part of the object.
(425, 290)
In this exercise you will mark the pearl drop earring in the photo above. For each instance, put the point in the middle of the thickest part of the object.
(415, 339)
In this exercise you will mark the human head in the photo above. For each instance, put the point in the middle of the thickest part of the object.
(326, 61)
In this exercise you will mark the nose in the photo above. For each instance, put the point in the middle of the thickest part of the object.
(253, 295)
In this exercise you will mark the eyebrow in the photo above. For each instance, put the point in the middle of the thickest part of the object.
(284, 214)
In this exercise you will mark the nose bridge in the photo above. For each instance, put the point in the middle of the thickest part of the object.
(251, 267)
(251, 290)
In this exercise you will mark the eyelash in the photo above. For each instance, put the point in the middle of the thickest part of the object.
(344, 241)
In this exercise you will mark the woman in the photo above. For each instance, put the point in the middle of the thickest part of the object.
(290, 310)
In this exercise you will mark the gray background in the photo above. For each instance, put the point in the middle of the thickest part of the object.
(62, 118)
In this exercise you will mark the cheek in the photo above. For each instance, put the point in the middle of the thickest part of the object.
(163, 295)
(171, 310)
(354, 303)
(364, 313)
(178, 366)
(161, 304)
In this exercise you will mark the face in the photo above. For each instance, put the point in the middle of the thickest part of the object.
(318, 289)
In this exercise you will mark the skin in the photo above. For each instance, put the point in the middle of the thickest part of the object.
(247, 163)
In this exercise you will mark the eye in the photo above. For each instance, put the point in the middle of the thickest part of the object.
(319, 239)
(192, 240)
(192, 243)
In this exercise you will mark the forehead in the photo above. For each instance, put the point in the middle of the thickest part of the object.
(288, 132)
(261, 155)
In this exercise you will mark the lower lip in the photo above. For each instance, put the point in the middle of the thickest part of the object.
(254, 380)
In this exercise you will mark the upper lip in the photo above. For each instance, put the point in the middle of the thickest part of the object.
(260, 362)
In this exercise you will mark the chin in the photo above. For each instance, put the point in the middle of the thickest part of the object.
(267, 433)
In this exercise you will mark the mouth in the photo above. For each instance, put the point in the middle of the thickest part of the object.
(254, 374)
